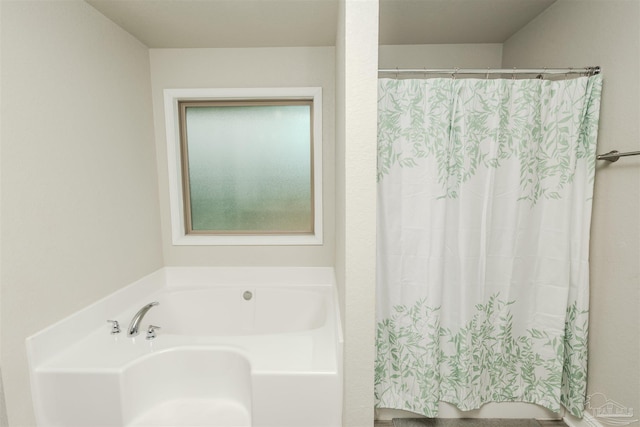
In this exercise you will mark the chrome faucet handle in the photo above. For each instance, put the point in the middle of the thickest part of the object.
(151, 331)
(115, 327)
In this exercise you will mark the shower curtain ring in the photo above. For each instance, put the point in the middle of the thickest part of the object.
(544, 72)
(513, 75)
(455, 71)
(487, 77)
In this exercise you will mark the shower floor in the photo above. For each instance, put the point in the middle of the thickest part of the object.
(467, 422)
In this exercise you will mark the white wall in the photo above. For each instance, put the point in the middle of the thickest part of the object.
(243, 68)
(80, 216)
(604, 33)
(356, 73)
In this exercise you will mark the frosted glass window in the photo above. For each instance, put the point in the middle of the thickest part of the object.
(247, 167)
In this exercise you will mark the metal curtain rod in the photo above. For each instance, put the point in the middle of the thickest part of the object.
(590, 71)
(613, 156)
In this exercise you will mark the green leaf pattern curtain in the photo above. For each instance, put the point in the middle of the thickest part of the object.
(484, 207)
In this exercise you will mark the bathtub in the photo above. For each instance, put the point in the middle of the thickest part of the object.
(235, 347)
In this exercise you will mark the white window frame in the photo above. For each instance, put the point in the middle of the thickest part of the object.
(178, 230)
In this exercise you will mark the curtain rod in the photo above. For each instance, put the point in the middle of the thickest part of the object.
(590, 71)
(613, 156)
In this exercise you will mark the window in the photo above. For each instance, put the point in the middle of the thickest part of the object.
(245, 165)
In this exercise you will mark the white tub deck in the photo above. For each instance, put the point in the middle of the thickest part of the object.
(272, 360)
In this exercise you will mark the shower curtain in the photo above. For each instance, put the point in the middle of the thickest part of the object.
(484, 208)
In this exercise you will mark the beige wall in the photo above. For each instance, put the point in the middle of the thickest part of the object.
(357, 52)
(80, 214)
(340, 256)
(3, 407)
(243, 68)
(604, 33)
(481, 55)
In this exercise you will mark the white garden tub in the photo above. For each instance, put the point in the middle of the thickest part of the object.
(236, 347)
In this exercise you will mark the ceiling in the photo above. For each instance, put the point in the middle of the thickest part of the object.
(224, 23)
(261, 23)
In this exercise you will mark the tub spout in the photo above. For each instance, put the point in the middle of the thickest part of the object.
(134, 326)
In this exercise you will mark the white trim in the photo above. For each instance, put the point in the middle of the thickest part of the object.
(171, 98)
(588, 420)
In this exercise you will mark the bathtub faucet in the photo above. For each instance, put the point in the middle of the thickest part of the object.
(132, 331)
